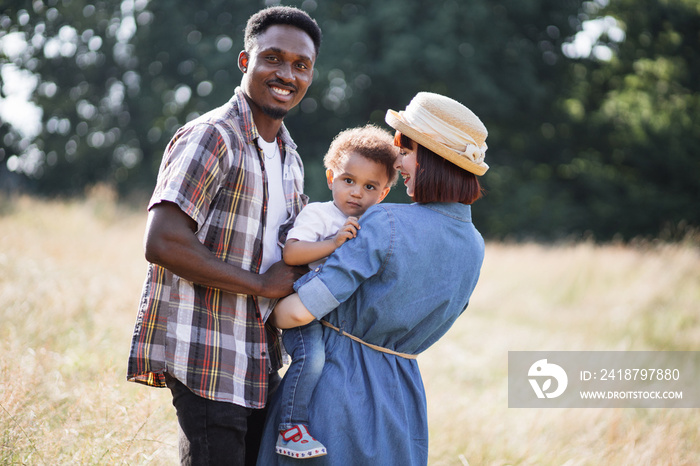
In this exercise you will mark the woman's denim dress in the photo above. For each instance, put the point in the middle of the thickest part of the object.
(400, 284)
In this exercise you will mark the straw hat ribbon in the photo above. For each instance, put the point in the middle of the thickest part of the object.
(446, 127)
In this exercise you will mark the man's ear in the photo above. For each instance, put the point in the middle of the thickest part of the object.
(243, 59)
(329, 178)
(384, 193)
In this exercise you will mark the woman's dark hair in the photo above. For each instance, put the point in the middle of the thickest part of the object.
(439, 180)
(282, 15)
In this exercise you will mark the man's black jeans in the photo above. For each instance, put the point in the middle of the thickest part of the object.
(216, 432)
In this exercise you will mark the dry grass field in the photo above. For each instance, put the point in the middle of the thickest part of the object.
(70, 277)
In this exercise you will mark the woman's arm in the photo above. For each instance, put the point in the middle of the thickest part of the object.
(290, 312)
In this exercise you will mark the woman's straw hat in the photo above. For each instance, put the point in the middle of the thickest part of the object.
(446, 127)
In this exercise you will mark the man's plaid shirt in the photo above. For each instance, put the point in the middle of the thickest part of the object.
(216, 343)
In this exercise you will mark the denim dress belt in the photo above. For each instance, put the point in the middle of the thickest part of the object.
(374, 347)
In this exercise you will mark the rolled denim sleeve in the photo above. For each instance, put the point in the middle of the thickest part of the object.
(317, 297)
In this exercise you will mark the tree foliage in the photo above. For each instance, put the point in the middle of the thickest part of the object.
(587, 143)
(637, 168)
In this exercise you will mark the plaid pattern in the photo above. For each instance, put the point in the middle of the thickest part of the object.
(215, 343)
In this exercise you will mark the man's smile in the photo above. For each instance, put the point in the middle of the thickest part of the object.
(280, 91)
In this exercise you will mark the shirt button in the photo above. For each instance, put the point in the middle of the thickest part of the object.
(264, 353)
(317, 269)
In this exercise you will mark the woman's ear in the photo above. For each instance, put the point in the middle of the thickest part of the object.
(243, 58)
(329, 178)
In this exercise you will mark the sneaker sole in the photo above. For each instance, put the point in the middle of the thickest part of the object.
(301, 454)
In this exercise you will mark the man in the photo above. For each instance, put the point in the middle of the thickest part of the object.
(229, 184)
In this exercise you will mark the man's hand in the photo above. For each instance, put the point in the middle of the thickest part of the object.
(347, 231)
(277, 282)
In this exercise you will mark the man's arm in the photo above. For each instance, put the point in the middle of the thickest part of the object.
(170, 242)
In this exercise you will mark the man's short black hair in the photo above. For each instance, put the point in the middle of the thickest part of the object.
(263, 19)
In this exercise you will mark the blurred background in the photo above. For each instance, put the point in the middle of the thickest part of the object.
(593, 107)
(593, 111)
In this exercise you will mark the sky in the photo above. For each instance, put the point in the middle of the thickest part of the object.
(18, 86)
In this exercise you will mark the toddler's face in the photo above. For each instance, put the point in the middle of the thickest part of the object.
(359, 185)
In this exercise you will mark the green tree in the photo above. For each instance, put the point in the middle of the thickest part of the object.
(502, 59)
(634, 124)
(136, 70)
(602, 143)
(79, 52)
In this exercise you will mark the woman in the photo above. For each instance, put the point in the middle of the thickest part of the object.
(390, 293)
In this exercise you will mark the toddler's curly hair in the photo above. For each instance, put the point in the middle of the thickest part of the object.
(369, 141)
